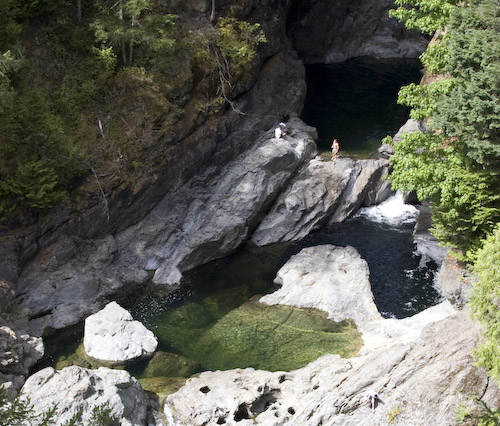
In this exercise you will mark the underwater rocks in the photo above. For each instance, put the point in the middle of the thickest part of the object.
(75, 390)
(112, 335)
(420, 383)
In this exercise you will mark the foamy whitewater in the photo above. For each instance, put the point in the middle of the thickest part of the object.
(393, 211)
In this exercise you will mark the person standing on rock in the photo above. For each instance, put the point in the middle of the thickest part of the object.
(372, 398)
(335, 148)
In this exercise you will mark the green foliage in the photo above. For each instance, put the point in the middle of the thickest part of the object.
(15, 411)
(471, 110)
(393, 414)
(239, 40)
(129, 23)
(490, 417)
(36, 159)
(427, 16)
(18, 411)
(456, 164)
(9, 64)
(436, 57)
(463, 411)
(10, 27)
(422, 98)
(485, 302)
(465, 202)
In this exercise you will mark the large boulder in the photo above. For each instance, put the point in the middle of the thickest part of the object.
(420, 383)
(336, 280)
(19, 351)
(75, 390)
(112, 335)
(332, 279)
(323, 190)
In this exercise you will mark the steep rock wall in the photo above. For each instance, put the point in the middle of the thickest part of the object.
(324, 31)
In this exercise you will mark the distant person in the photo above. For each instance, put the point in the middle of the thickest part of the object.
(372, 398)
(335, 148)
(283, 128)
(277, 132)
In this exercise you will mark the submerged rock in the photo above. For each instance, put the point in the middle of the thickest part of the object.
(165, 364)
(274, 338)
(112, 335)
(420, 383)
(75, 390)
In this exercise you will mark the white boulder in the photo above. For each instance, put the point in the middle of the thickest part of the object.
(113, 335)
(75, 390)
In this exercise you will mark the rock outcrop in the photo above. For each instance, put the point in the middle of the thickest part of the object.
(112, 335)
(421, 367)
(19, 351)
(323, 191)
(332, 279)
(324, 31)
(420, 383)
(75, 390)
(207, 218)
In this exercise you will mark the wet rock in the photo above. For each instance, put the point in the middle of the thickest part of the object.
(454, 281)
(112, 335)
(427, 244)
(74, 389)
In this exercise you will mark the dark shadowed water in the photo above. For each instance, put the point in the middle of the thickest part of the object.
(355, 102)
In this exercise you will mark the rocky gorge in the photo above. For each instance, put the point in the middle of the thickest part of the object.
(233, 182)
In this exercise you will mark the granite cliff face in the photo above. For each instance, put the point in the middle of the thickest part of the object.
(325, 32)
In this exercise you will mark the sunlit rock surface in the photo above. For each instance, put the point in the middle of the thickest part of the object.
(113, 335)
(74, 389)
(420, 383)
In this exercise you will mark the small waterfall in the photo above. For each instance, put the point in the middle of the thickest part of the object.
(393, 211)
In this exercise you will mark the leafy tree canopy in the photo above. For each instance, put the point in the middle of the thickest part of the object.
(424, 15)
(455, 165)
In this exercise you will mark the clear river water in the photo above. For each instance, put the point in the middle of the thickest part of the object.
(214, 321)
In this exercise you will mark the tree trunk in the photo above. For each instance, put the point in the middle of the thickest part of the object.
(212, 14)
(79, 10)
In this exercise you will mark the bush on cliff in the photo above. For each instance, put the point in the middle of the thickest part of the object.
(111, 82)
